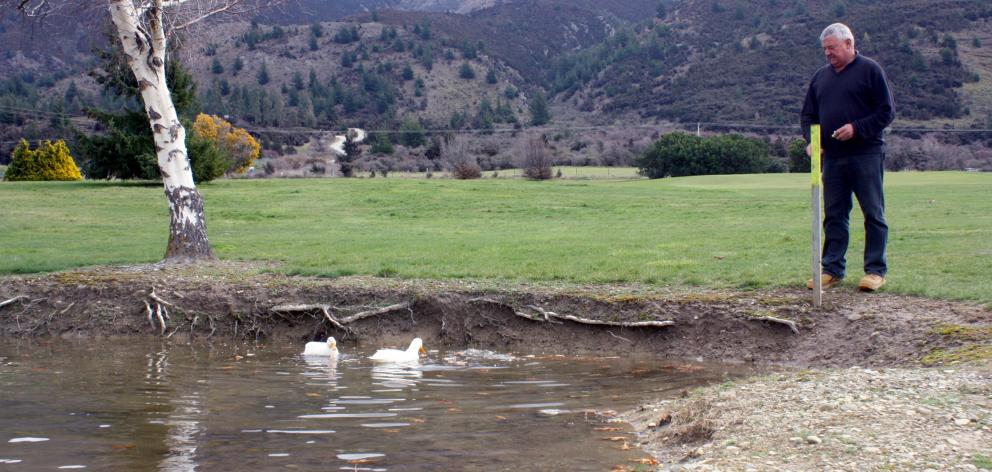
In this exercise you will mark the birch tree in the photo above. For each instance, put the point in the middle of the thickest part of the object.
(143, 28)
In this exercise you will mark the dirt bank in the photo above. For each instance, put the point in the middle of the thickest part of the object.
(248, 302)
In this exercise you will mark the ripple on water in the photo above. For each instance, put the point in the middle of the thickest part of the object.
(536, 405)
(360, 456)
(384, 425)
(300, 431)
(350, 415)
(27, 440)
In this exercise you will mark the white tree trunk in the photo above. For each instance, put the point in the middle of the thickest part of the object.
(145, 52)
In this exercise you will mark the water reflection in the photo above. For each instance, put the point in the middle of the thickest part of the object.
(396, 377)
(184, 408)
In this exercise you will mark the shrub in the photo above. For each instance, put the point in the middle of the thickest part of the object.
(680, 154)
(51, 161)
(534, 157)
(798, 160)
(460, 161)
(239, 148)
(206, 159)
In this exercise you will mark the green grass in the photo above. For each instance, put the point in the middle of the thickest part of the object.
(567, 173)
(725, 232)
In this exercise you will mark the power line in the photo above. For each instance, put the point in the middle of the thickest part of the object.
(542, 129)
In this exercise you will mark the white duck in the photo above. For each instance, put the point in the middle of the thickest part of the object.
(328, 348)
(411, 354)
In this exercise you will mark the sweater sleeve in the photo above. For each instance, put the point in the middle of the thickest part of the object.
(810, 114)
(884, 110)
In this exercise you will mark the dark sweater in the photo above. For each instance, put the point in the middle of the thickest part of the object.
(858, 95)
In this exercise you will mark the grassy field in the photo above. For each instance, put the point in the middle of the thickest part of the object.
(749, 231)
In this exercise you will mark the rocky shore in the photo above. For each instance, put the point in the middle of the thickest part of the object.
(852, 419)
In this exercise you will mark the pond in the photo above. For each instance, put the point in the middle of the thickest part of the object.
(148, 405)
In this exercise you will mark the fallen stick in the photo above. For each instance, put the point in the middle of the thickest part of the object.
(771, 319)
(12, 300)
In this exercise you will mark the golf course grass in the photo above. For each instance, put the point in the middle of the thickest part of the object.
(721, 232)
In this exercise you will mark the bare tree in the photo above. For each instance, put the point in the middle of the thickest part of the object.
(144, 27)
(459, 159)
(534, 157)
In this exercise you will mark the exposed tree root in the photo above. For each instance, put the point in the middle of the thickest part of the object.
(160, 312)
(771, 319)
(12, 300)
(550, 316)
(326, 310)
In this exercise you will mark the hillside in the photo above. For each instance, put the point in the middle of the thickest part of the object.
(478, 64)
(750, 60)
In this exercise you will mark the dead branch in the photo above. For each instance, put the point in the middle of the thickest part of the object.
(12, 300)
(771, 319)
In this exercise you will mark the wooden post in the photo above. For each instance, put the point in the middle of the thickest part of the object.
(814, 139)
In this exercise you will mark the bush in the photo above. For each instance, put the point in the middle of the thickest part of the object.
(239, 148)
(798, 160)
(460, 161)
(51, 161)
(534, 157)
(206, 159)
(680, 154)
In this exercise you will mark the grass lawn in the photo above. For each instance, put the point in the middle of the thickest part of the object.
(746, 231)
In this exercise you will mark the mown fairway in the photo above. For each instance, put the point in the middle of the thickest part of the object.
(719, 232)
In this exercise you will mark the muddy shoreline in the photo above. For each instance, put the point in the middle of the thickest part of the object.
(903, 336)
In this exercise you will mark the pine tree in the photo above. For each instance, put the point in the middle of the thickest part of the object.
(263, 74)
(216, 67)
(539, 113)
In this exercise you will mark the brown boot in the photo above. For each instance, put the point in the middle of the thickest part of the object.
(871, 282)
(827, 281)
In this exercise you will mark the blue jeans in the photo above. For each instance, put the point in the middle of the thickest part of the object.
(862, 177)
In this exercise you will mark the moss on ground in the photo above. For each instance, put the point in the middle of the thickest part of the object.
(970, 353)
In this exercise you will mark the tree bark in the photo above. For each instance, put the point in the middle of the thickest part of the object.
(142, 35)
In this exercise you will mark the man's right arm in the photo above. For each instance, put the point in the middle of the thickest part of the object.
(810, 114)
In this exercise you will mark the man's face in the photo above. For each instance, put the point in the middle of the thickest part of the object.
(839, 52)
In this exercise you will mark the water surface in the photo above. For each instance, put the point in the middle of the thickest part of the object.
(138, 405)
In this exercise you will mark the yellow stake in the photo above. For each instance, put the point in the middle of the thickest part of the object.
(814, 140)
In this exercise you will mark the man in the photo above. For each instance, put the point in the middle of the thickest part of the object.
(850, 100)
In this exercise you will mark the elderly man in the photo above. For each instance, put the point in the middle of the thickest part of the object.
(850, 100)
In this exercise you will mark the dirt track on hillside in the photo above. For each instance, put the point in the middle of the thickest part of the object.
(235, 301)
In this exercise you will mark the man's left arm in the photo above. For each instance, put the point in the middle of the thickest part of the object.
(884, 110)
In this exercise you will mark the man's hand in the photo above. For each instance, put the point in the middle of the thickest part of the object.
(843, 133)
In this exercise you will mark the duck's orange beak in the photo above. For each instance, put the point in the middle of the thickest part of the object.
(422, 350)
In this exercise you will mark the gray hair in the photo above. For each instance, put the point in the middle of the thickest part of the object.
(837, 30)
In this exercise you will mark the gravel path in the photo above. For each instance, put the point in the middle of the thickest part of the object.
(851, 419)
